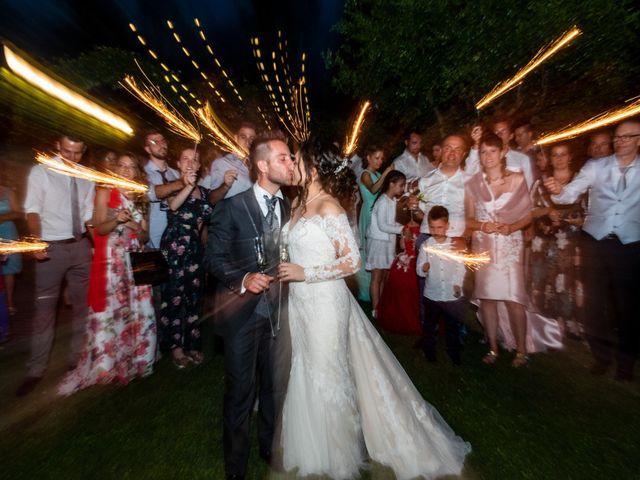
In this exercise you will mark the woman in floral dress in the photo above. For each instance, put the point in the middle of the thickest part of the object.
(121, 329)
(182, 247)
(556, 284)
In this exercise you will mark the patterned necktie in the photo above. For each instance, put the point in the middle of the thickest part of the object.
(76, 227)
(271, 216)
(622, 183)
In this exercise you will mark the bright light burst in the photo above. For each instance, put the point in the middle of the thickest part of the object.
(8, 247)
(601, 120)
(472, 261)
(352, 141)
(73, 169)
(151, 96)
(34, 76)
(221, 134)
(540, 57)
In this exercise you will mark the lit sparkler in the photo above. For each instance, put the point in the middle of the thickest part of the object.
(152, 97)
(72, 169)
(540, 57)
(352, 141)
(221, 134)
(8, 247)
(34, 76)
(601, 120)
(472, 261)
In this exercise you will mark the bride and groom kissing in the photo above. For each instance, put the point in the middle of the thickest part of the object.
(331, 395)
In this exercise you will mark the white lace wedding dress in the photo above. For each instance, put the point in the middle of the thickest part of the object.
(349, 399)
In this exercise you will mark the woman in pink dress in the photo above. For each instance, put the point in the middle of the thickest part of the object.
(498, 208)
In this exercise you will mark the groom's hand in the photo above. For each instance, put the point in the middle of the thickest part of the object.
(257, 282)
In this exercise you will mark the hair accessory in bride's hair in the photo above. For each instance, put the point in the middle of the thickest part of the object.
(342, 165)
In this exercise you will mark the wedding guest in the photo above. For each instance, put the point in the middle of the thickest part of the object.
(611, 249)
(600, 144)
(412, 163)
(398, 309)
(209, 156)
(230, 174)
(57, 208)
(120, 339)
(436, 154)
(556, 283)
(183, 249)
(498, 207)
(369, 184)
(516, 161)
(381, 235)
(12, 264)
(442, 293)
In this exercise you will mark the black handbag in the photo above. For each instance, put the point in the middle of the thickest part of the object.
(149, 268)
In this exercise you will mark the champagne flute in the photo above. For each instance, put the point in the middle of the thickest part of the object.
(261, 257)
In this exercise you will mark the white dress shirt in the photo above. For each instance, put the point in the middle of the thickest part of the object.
(230, 162)
(516, 162)
(49, 195)
(260, 193)
(412, 168)
(383, 224)
(157, 209)
(443, 275)
(439, 189)
(609, 211)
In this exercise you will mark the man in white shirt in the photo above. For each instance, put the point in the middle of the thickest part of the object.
(163, 181)
(412, 163)
(610, 248)
(516, 161)
(230, 173)
(58, 208)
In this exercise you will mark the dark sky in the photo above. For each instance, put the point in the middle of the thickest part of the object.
(49, 28)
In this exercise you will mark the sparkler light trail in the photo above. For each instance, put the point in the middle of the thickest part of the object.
(472, 261)
(601, 120)
(21, 246)
(221, 134)
(151, 96)
(34, 76)
(72, 169)
(352, 141)
(544, 54)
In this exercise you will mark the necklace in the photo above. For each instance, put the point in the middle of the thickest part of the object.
(313, 198)
(495, 179)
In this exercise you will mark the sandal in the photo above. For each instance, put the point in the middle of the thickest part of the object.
(490, 358)
(196, 357)
(520, 360)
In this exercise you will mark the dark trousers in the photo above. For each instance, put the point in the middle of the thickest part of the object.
(423, 237)
(453, 313)
(247, 360)
(612, 286)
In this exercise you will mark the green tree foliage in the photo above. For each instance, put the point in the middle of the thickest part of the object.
(424, 61)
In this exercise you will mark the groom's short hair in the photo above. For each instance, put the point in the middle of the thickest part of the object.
(260, 150)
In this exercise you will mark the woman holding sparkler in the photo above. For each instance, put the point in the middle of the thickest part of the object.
(182, 247)
(348, 399)
(121, 329)
(497, 208)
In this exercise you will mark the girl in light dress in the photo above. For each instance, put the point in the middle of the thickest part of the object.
(381, 235)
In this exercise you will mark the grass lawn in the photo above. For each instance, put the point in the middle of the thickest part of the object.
(550, 420)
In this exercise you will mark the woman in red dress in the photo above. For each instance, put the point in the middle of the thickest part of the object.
(399, 306)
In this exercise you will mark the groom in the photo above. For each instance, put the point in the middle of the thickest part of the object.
(246, 300)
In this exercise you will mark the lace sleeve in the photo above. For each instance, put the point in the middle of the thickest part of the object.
(347, 260)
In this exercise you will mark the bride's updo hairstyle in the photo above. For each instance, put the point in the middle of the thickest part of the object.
(334, 174)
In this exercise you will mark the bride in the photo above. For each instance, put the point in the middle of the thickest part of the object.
(348, 399)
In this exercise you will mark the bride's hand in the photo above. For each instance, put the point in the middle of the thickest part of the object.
(290, 272)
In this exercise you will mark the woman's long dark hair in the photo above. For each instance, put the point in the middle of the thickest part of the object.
(334, 174)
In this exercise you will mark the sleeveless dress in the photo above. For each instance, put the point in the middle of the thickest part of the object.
(399, 306)
(8, 231)
(503, 278)
(120, 340)
(368, 199)
(348, 397)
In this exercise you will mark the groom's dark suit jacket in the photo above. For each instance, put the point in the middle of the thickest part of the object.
(230, 255)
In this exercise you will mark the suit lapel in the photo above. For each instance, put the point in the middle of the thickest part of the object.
(284, 210)
(253, 210)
